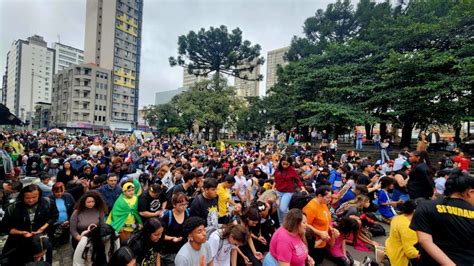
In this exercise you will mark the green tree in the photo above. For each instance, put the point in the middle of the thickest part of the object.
(212, 109)
(217, 51)
(410, 67)
(164, 116)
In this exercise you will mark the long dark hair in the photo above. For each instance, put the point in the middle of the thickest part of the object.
(250, 214)
(150, 226)
(95, 242)
(122, 257)
(285, 158)
(99, 202)
(348, 225)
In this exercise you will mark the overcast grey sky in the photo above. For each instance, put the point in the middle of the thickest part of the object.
(270, 23)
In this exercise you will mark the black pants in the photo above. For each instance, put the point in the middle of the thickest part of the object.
(248, 253)
(318, 255)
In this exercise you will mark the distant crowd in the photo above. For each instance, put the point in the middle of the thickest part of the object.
(128, 200)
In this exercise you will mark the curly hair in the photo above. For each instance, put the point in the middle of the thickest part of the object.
(99, 202)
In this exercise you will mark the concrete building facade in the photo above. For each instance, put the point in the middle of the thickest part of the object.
(163, 97)
(42, 115)
(248, 88)
(190, 79)
(113, 41)
(29, 73)
(82, 98)
(274, 59)
(66, 56)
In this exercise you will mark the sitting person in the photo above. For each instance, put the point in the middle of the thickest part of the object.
(337, 246)
(400, 244)
(383, 200)
(97, 246)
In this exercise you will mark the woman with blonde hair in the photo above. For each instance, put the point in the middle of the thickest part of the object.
(353, 207)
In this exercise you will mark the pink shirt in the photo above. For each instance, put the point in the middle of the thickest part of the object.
(336, 249)
(285, 247)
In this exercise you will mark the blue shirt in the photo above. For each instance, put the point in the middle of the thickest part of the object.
(386, 211)
(349, 195)
(62, 211)
(335, 179)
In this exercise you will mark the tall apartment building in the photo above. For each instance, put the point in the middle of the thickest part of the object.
(274, 59)
(29, 74)
(81, 98)
(66, 56)
(190, 79)
(248, 88)
(113, 41)
(163, 97)
(4, 88)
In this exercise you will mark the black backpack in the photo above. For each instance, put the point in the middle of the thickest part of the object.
(300, 199)
(377, 230)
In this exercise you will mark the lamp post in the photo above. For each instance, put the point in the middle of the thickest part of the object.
(30, 113)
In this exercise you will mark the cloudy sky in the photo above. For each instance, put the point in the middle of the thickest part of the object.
(270, 23)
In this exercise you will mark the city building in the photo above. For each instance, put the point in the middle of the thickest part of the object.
(113, 41)
(274, 59)
(66, 56)
(190, 79)
(41, 118)
(3, 88)
(163, 97)
(248, 88)
(29, 74)
(81, 98)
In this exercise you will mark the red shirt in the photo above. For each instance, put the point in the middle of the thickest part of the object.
(286, 179)
(463, 162)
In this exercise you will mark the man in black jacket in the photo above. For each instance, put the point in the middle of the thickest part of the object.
(31, 215)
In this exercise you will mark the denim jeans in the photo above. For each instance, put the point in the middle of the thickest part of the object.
(269, 260)
(284, 198)
(384, 155)
(358, 144)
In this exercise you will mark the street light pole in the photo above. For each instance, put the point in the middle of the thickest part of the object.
(30, 115)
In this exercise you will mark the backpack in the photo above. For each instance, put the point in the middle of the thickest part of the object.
(448, 163)
(221, 241)
(377, 230)
(170, 215)
(300, 199)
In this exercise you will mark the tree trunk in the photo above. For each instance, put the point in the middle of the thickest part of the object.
(457, 134)
(305, 133)
(215, 133)
(406, 133)
(368, 131)
(207, 132)
(383, 130)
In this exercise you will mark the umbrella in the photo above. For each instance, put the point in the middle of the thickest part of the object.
(56, 131)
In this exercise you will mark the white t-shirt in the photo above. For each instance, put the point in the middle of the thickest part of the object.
(267, 168)
(220, 249)
(398, 163)
(187, 256)
(241, 183)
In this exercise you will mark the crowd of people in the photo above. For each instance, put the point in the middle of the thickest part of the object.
(122, 200)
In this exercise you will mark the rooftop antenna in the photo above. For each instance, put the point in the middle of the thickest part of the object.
(59, 38)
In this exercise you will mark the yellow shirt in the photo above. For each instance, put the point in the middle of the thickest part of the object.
(130, 219)
(399, 245)
(223, 195)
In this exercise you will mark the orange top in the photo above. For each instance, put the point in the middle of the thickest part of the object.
(319, 217)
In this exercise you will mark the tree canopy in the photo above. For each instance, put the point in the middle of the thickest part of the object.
(374, 63)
